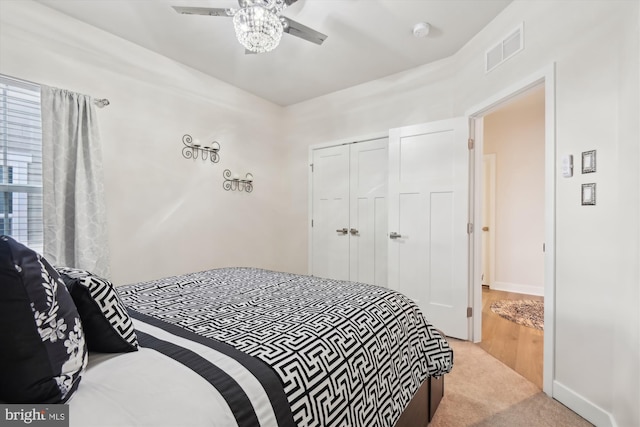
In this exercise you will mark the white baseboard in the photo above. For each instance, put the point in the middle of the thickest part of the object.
(581, 406)
(519, 289)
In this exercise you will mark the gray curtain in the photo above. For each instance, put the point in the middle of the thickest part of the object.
(74, 216)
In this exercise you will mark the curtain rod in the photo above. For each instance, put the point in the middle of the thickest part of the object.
(99, 102)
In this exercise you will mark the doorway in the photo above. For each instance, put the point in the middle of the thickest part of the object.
(513, 232)
(543, 81)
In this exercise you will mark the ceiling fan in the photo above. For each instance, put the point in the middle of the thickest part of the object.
(259, 24)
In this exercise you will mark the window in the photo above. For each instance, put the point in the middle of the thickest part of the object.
(21, 162)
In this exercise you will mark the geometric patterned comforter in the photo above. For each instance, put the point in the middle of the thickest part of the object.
(348, 354)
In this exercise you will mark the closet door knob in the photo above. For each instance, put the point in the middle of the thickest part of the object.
(394, 235)
(354, 232)
(342, 230)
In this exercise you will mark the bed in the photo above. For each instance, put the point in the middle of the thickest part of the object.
(252, 347)
(344, 354)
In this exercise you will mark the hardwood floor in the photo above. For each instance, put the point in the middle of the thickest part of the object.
(519, 347)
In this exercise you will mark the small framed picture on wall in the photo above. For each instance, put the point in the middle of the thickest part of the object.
(588, 194)
(589, 161)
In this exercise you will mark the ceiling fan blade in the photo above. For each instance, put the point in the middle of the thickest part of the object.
(297, 29)
(212, 11)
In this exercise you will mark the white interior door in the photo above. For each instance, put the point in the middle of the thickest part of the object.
(428, 216)
(368, 224)
(330, 205)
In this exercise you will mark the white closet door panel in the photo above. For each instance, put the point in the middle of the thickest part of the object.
(363, 243)
(441, 253)
(416, 170)
(381, 240)
(368, 224)
(330, 204)
(412, 247)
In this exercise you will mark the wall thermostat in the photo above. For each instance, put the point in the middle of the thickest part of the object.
(567, 166)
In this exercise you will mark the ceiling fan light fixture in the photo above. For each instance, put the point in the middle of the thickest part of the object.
(257, 29)
(259, 24)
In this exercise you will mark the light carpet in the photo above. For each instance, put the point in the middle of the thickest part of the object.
(482, 391)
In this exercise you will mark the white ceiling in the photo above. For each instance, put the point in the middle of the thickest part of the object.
(367, 39)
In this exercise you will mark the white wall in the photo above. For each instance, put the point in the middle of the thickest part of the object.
(594, 46)
(166, 215)
(626, 372)
(515, 133)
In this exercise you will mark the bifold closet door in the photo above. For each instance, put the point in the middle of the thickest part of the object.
(349, 212)
(368, 211)
(330, 213)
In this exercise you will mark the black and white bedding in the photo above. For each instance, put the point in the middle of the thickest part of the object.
(220, 348)
(319, 352)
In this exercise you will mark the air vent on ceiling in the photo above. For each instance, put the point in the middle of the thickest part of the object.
(505, 49)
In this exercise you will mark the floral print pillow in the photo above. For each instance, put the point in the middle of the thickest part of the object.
(42, 345)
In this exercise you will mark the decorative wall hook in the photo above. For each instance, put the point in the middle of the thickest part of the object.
(193, 146)
(234, 183)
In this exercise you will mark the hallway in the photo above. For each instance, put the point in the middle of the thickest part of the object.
(519, 347)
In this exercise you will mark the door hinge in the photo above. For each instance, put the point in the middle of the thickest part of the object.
(469, 311)
(469, 228)
(311, 223)
(311, 167)
(471, 143)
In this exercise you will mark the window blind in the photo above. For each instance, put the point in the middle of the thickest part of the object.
(21, 162)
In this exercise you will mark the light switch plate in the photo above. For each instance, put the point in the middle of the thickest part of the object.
(567, 166)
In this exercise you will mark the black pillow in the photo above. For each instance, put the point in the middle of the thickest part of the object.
(107, 325)
(42, 349)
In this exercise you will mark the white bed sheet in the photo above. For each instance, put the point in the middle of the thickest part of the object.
(147, 388)
(144, 388)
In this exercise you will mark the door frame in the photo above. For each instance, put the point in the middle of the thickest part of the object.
(342, 141)
(491, 160)
(546, 77)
